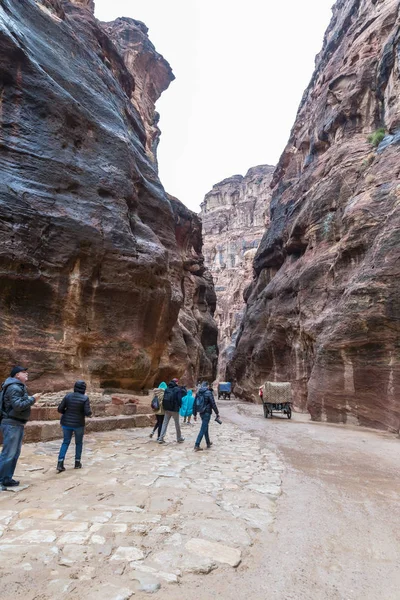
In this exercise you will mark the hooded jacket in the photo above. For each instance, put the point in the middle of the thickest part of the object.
(209, 401)
(16, 402)
(159, 392)
(187, 405)
(75, 407)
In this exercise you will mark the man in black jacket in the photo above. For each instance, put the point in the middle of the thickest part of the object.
(172, 402)
(204, 404)
(74, 408)
(16, 411)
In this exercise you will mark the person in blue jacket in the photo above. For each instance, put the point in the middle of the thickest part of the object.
(186, 410)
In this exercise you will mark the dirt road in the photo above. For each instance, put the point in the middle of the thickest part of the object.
(337, 530)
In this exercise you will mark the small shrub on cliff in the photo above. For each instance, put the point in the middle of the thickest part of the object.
(376, 137)
(211, 351)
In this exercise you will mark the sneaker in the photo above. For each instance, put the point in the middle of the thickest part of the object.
(10, 483)
(209, 445)
(198, 449)
(2, 488)
(151, 435)
(161, 441)
(182, 439)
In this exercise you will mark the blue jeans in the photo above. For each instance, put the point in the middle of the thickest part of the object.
(12, 442)
(205, 421)
(78, 431)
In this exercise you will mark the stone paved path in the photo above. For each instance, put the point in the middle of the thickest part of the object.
(137, 517)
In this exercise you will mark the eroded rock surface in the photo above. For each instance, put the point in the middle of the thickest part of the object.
(91, 273)
(324, 311)
(234, 214)
(150, 70)
(191, 349)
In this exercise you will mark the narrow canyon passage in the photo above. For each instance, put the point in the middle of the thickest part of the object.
(276, 509)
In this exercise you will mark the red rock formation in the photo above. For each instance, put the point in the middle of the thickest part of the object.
(91, 276)
(191, 352)
(151, 72)
(234, 214)
(324, 311)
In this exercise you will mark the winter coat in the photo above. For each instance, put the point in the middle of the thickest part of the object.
(159, 392)
(174, 400)
(16, 403)
(74, 408)
(209, 401)
(187, 405)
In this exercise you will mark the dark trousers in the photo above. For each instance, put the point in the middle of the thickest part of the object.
(158, 425)
(205, 421)
(78, 431)
(12, 442)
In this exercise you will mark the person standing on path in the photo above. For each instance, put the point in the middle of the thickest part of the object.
(204, 404)
(159, 392)
(186, 410)
(74, 408)
(172, 403)
(16, 410)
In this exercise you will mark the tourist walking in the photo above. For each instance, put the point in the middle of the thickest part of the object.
(159, 393)
(74, 408)
(186, 410)
(172, 403)
(15, 412)
(204, 404)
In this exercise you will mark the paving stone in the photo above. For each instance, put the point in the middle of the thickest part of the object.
(109, 591)
(97, 539)
(215, 551)
(137, 518)
(127, 553)
(93, 516)
(40, 513)
(6, 516)
(73, 538)
(33, 536)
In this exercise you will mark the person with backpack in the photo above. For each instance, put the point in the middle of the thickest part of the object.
(74, 407)
(158, 408)
(15, 410)
(204, 404)
(186, 410)
(172, 403)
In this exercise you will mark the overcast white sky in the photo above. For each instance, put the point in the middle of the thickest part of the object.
(241, 67)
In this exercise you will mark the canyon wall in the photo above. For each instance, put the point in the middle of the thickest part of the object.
(324, 309)
(92, 274)
(234, 215)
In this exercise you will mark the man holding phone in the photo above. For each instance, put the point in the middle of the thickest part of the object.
(16, 410)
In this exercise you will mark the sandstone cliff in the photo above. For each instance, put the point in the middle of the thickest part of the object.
(234, 216)
(191, 351)
(324, 310)
(91, 272)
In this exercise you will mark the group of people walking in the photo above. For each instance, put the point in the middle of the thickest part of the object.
(173, 401)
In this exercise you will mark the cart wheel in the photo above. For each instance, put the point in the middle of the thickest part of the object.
(289, 413)
(266, 411)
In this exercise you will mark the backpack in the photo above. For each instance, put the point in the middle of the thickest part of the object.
(201, 401)
(155, 403)
(2, 394)
(171, 400)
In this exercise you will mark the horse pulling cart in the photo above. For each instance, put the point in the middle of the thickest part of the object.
(276, 397)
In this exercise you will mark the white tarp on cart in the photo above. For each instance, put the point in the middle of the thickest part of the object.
(277, 392)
